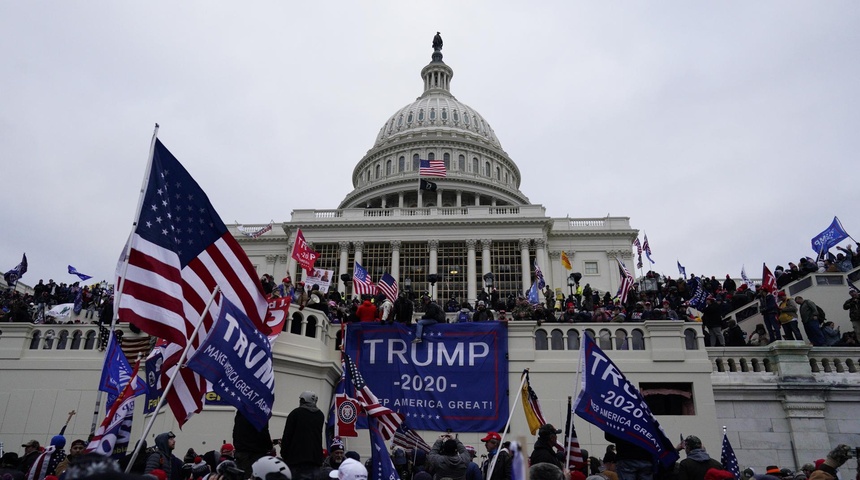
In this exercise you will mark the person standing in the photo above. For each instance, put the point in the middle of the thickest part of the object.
(712, 319)
(301, 443)
(697, 463)
(448, 458)
(162, 457)
(788, 317)
(543, 451)
(811, 322)
(853, 307)
(249, 444)
(502, 469)
(769, 310)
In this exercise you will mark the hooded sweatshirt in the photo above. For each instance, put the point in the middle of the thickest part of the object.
(162, 457)
(449, 466)
(301, 443)
(696, 465)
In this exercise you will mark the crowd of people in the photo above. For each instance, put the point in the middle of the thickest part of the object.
(254, 455)
(95, 301)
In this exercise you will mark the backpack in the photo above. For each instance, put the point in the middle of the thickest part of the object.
(463, 316)
(440, 316)
(822, 317)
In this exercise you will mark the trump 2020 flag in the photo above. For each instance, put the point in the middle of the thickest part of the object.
(13, 275)
(381, 466)
(237, 359)
(74, 271)
(116, 373)
(609, 401)
(831, 236)
(112, 437)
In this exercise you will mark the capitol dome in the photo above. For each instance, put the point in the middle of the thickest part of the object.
(436, 126)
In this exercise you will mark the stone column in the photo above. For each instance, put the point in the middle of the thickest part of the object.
(459, 198)
(554, 271)
(525, 269)
(395, 260)
(281, 265)
(358, 246)
(419, 202)
(400, 200)
(477, 200)
(384, 203)
(342, 266)
(433, 246)
(471, 273)
(486, 266)
(291, 264)
(270, 260)
(439, 198)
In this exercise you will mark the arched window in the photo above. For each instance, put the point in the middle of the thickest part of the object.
(90, 341)
(311, 329)
(621, 342)
(446, 157)
(409, 118)
(465, 118)
(421, 115)
(296, 327)
(444, 114)
(37, 337)
(378, 171)
(461, 163)
(401, 164)
(456, 116)
(506, 176)
(388, 167)
(541, 340)
(690, 342)
(432, 114)
(637, 340)
(475, 165)
(415, 161)
(76, 340)
(487, 169)
(431, 156)
(49, 339)
(498, 173)
(605, 339)
(63, 340)
(572, 339)
(557, 340)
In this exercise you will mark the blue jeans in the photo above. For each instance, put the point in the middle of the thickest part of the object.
(813, 332)
(634, 469)
(772, 325)
(791, 331)
(424, 322)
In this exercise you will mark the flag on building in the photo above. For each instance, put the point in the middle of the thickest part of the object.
(116, 373)
(255, 232)
(427, 185)
(572, 449)
(410, 440)
(627, 281)
(13, 275)
(236, 359)
(830, 237)
(541, 283)
(728, 458)
(681, 270)
(381, 466)
(361, 282)
(647, 248)
(179, 251)
(74, 271)
(749, 283)
(389, 421)
(303, 254)
(612, 403)
(531, 405)
(113, 436)
(388, 285)
(431, 168)
(565, 261)
(768, 280)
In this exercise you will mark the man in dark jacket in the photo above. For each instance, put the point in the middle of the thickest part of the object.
(433, 314)
(162, 457)
(448, 458)
(250, 445)
(403, 309)
(543, 451)
(712, 319)
(301, 443)
(502, 469)
(697, 463)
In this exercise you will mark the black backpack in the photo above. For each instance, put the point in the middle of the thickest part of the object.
(822, 317)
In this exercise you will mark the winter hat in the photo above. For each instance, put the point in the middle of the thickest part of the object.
(58, 441)
(718, 474)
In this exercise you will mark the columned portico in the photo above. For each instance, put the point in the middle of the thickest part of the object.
(524, 263)
(471, 273)
(342, 266)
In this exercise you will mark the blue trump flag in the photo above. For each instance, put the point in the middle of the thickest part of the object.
(700, 295)
(381, 466)
(237, 359)
(74, 271)
(457, 378)
(829, 238)
(153, 378)
(116, 373)
(13, 275)
(609, 401)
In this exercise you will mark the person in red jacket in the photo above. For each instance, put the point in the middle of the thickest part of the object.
(366, 311)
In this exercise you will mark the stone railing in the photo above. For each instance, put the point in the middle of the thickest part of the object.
(786, 358)
(22, 340)
(471, 211)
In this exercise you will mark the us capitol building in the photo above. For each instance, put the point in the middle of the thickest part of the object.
(785, 404)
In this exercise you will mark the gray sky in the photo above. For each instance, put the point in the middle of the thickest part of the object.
(724, 130)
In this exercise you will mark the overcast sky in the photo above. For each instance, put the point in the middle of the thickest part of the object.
(726, 131)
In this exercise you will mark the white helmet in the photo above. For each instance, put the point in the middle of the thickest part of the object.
(270, 468)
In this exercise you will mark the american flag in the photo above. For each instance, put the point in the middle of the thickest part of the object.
(388, 285)
(638, 246)
(409, 440)
(572, 449)
(381, 466)
(179, 251)
(361, 282)
(627, 281)
(431, 168)
(728, 458)
(541, 283)
(647, 247)
(389, 421)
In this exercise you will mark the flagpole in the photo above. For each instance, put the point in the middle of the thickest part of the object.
(170, 382)
(570, 405)
(118, 292)
(507, 425)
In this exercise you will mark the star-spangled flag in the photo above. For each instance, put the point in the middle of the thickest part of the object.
(682, 270)
(541, 283)
(647, 248)
(116, 373)
(431, 168)
(572, 448)
(74, 271)
(533, 297)
(627, 281)
(42, 465)
(13, 275)
(179, 251)
(728, 458)
(409, 440)
(380, 460)
(638, 245)
(389, 421)
(113, 436)
(388, 285)
(612, 403)
(361, 282)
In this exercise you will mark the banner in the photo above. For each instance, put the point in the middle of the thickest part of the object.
(153, 378)
(113, 435)
(829, 238)
(457, 378)
(116, 373)
(237, 359)
(276, 316)
(609, 401)
(322, 278)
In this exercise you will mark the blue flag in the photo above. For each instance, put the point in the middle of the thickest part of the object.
(829, 238)
(541, 282)
(79, 300)
(116, 373)
(153, 379)
(728, 458)
(682, 270)
(74, 271)
(13, 275)
(697, 301)
(533, 294)
(381, 466)
(612, 403)
(237, 359)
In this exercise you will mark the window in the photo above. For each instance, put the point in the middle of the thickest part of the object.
(444, 114)
(446, 157)
(591, 268)
(498, 173)
(461, 163)
(456, 116)
(378, 171)
(421, 115)
(668, 398)
(475, 165)
(401, 164)
(432, 114)
(506, 176)
(400, 121)
(409, 118)
(415, 162)
(431, 156)
(541, 340)
(487, 169)
(465, 118)
(388, 167)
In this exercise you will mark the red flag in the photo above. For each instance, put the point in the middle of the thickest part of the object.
(276, 317)
(768, 281)
(303, 254)
(346, 409)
